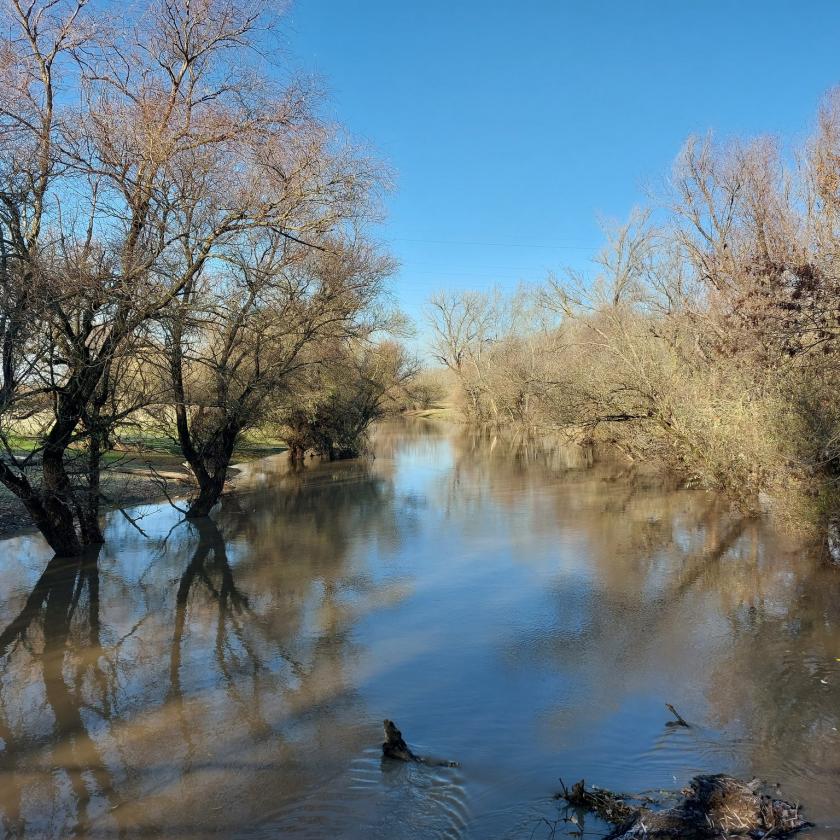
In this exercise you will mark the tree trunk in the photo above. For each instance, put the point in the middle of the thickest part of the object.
(296, 453)
(54, 519)
(210, 489)
(51, 514)
(89, 522)
(89, 508)
(210, 469)
(54, 516)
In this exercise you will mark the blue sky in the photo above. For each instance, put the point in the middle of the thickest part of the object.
(512, 127)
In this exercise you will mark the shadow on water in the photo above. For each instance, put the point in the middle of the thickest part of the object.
(524, 608)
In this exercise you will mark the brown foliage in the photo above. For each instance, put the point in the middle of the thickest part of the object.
(707, 340)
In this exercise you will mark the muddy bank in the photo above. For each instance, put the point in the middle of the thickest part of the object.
(122, 489)
(139, 478)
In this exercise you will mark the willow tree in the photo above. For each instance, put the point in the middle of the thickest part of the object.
(133, 155)
(241, 339)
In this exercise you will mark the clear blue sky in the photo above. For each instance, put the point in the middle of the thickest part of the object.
(512, 126)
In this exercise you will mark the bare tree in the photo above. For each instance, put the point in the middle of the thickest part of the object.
(170, 148)
(463, 326)
(236, 342)
(37, 306)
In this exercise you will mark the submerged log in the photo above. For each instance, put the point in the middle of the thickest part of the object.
(395, 747)
(711, 806)
(679, 719)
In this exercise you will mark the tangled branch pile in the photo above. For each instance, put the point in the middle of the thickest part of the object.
(712, 806)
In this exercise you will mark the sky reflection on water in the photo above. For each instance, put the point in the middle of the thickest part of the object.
(525, 613)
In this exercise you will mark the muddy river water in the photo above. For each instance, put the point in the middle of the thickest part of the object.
(526, 614)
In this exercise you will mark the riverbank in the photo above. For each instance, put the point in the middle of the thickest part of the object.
(134, 484)
(144, 477)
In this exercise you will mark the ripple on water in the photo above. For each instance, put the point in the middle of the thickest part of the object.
(378, 798)
(528, 618)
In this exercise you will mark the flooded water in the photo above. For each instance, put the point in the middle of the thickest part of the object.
(527, 616)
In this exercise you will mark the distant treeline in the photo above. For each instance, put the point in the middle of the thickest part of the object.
(707, 340)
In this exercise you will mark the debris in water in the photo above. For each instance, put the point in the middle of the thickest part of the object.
(711, 806)
(396, 747)
(680, 720)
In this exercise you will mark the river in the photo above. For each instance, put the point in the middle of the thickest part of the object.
(523, 612)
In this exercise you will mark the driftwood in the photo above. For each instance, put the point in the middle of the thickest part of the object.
(710, 807)
(614, 808)
(395, 747)
(680, 720)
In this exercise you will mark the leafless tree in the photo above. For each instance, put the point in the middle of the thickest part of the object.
(464, 325)
(237, 342)
(167, 149)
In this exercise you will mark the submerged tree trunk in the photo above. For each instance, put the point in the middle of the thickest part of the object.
(54, 515)
(208, 454)
(50, 510)
(296, 453)
(67, 523)
(55, 520)
(89, 506)
(209, 492)
(98, 429)
(210, 466)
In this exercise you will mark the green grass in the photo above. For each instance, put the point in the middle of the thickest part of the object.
(21, 443)
(140, 447)
(151, 443)
(253, 447)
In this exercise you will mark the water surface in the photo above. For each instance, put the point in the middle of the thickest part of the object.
(528, 615)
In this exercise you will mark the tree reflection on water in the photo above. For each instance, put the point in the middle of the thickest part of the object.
(124, 694)
(522, 608)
